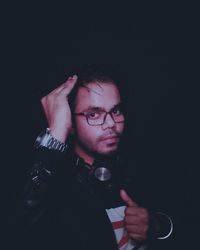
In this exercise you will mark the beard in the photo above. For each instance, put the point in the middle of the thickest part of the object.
(101, 146)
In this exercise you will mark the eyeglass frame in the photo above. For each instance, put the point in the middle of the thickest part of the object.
(105, 116)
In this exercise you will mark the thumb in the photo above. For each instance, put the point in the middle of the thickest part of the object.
(127, 199)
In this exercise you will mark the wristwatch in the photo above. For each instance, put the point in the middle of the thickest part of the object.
(45, 139)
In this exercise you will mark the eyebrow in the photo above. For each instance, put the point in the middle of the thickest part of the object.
(90, 89)
(100, 108)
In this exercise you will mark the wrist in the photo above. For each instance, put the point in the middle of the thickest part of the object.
(46, 140)
(60, 133)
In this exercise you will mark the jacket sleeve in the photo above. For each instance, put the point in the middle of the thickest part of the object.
(32, 203)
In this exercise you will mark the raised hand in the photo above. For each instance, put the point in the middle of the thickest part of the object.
(57, 110)
(136, 220)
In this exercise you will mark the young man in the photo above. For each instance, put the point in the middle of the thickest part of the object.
(79, 195)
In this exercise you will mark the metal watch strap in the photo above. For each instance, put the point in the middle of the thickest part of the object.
(45, 139)
(53, 143)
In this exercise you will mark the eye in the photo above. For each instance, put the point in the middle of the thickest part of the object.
(116, 111)
(93, 114)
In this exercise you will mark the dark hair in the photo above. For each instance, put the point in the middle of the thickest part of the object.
(98, 75)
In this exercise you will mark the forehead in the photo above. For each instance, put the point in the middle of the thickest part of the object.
(97, 94)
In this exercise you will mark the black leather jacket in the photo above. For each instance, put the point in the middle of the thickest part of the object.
(63, 205)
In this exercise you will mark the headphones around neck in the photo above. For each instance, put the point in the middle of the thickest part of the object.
(101, 169)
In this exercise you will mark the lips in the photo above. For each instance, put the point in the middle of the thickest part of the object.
(111, 137)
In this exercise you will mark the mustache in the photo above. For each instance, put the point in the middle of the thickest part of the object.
(110, 133)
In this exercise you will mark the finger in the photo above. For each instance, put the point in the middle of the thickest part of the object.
(71, 80)
(135, 229)
(132, 220)
(140, 212)
(68, 85)
(45, 108)
(137, 237)
(127, 199)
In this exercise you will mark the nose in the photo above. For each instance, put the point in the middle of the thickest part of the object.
(109, 122)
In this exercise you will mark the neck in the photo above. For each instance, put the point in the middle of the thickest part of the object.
(90, 159)
(85, 156)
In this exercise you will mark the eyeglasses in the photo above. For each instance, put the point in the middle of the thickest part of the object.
(97, 116)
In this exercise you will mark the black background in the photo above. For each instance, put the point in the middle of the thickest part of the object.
(155, 47)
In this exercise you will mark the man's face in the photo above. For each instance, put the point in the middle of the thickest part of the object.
(101, 139)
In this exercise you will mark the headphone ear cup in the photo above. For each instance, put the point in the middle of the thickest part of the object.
(102, 174)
